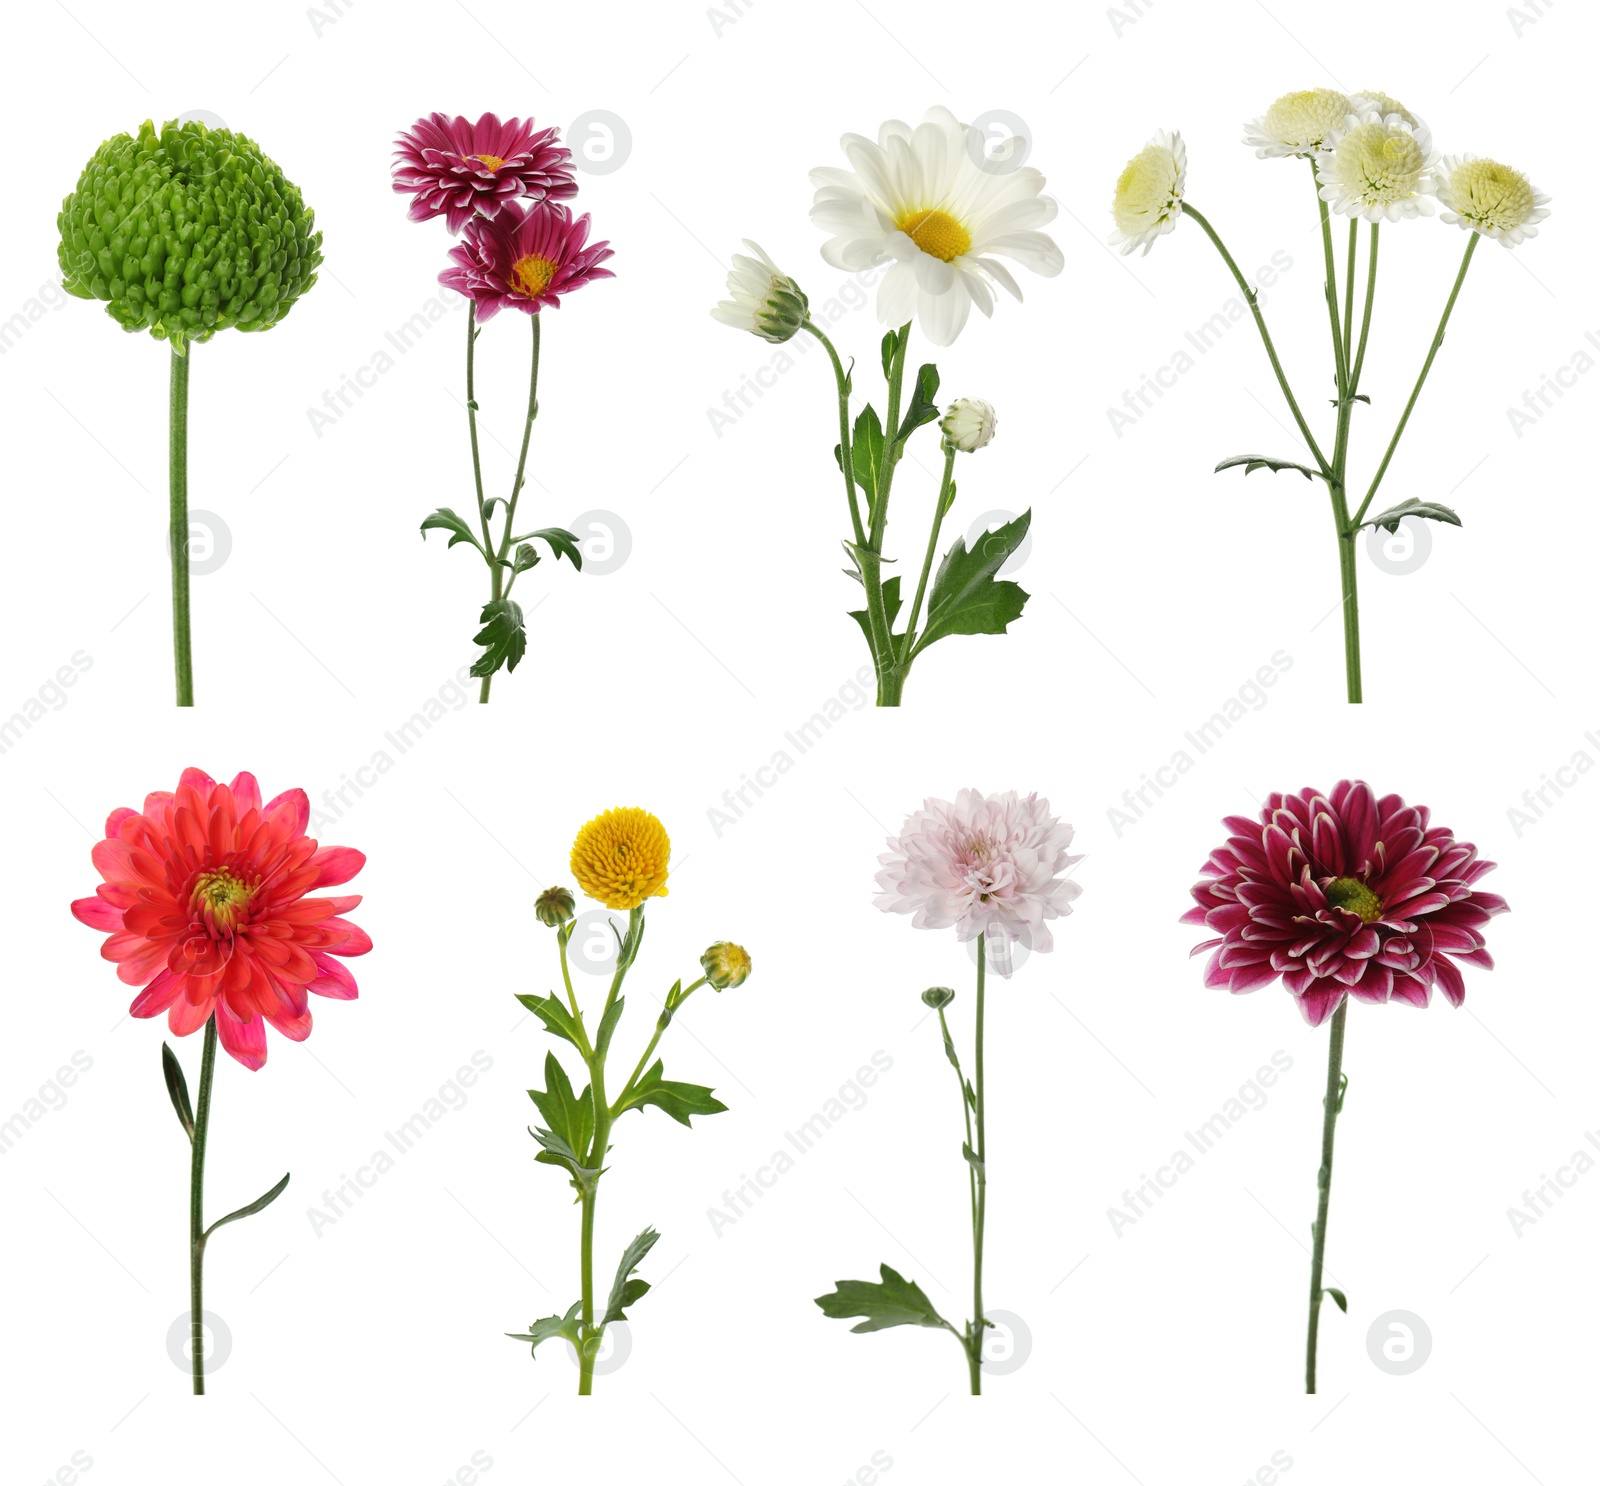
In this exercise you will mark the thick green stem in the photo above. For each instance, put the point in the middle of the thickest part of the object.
(1266, 339)
(1332, 1098)
(197, 1240)
(178, 520)
(585, 1361)
(1349, 601)
(1422, 376)
(975, 1334)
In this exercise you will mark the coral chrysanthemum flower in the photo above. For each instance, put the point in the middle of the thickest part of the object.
(527, 260)
(205, 901)
(937, 205)
(987, 864)
(455, 169)
(1343, 894)
(620, 858)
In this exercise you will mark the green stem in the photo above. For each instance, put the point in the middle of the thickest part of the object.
(966, 1115)
(1366, 314)
(197, 1241)
(1422, 376)
(975, 1336)
(1266, 339)
(662, 1022)
(1331, 1100)
(927, 562)
(178, 521)
(477, 467)
(522, 458)
(891, 682)
(585, 1361)
(1330, 290)
(1350, 296)
(1349, 601)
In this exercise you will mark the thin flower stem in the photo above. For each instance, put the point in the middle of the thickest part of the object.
(879, 630)
(975, 1334)
(1348, 574)
(891, 680)
(966, 1115)
(910, 640)
(1330, 291)
(197, 1240)
(1266, 339)
(1350, 296)
(1422, 376)
(644, 1057)
(178, 521)
(1366, 313)
(1332, 1098)
(472, 429)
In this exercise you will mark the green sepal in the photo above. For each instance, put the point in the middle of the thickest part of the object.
(504, 637)
(177, 1090)
(966, 598)
(678, 1100)
(893, 1301)
(444, 519)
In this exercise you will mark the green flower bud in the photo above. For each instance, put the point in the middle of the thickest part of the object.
(938, 997)
(554, 906)
(726, 965)
(185, 232)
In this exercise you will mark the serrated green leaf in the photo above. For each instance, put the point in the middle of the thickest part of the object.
(1338, 1299)
(177, 1090)
(893, 1301)
(923, 408)
(550, 1327)
(678, 1100)
(1254, 462)
(444, 519)
(569, 1117)
(891, 605)
(558, 1021)
(562, 542)
(624, 1290)
(504, 637)
(966, 597)
(1428, 510)
(264, 1200)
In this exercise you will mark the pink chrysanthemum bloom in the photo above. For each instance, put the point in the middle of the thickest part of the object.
(527, 260)
(205, 901)
(988, 864)
(1343, 894)
(455, 169)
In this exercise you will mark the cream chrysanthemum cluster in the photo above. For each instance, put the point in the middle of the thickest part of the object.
(1488, 197)
(1377, 165)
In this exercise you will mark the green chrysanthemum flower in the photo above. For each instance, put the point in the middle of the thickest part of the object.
(186, 231)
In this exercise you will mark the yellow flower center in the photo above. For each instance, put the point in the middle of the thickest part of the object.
(1147, 190)
(1356, 897)
(494, 162)
(1493, 194)
(221, 895)
(532, 275)
(1383, 164)
(937, 233)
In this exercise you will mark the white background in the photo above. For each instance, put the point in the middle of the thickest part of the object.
(373, 1352)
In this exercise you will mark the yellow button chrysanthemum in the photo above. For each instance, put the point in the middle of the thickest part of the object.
(620, 858)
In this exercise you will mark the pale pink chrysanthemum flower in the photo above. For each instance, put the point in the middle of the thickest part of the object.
(987, 865)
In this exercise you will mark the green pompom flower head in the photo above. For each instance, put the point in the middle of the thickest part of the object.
(185, 231)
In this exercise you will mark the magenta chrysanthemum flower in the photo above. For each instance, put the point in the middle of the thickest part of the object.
(988, 864)
(525, 259)
(1343, 894)
(455, 169)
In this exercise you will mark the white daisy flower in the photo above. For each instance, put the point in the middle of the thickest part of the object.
(1297, 124)
(1149, 195)
(968, 424)
(765, 302)
(1485, 196)
(922, 198)
(1378, 168)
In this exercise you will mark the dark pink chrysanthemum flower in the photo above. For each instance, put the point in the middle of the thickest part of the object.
(1343, 894)
(455, 169)
(205, 899)
(525, 259)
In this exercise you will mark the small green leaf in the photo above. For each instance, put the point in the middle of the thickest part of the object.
(262, 1201)
(894, 1301)
(562, 542)
(866, 454)
(557, 1152)
(678, 1100)
(891, 605)
(1338, 1299)
(923, 408)
(890, 341)
(1254, 462)
(552, 1326)
(966, 597)
(624, 1291)
(504, 637)
(558, 1021)
(608, 1025)
(177, 1090)
(444, 519)
(1428, 510)
(972, 1158)
(527, 556)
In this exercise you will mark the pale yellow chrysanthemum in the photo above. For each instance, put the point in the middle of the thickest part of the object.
(620, 858)
(1297, 123)
(1488, 197)
(1370, 101)
(1149, 195)
(1377, 168)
